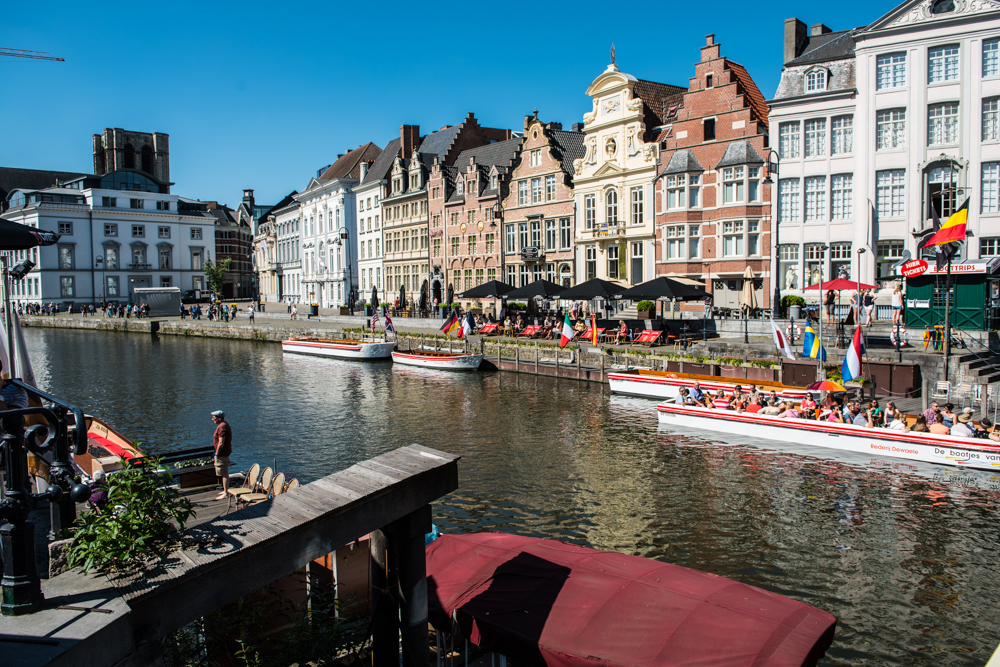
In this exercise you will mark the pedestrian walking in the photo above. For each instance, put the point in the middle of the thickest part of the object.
(222, 441)
(250, 312)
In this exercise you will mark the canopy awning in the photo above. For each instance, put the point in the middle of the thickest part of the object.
(595, 288)
(665, 288)
(492, 289)
(552, 604)
(540, 288)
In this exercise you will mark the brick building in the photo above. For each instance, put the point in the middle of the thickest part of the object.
(712, 206)
(539, 213)
(234, 241)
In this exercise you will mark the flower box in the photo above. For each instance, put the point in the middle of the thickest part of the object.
(734, 372)
(762, 374)
(192, 476)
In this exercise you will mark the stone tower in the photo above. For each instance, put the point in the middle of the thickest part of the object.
(121, 149)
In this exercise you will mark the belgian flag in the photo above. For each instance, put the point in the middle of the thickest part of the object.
(953, 229)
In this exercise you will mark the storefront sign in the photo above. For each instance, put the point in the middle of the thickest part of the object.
(918, 303)
(968, 267)
(914, 268)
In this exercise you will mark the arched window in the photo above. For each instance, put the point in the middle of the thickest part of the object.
(147, 159)
(129, 157)
(611, 201)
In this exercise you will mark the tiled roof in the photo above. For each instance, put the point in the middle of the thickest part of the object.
(751, 93)
(12, 178)
(682, 162)
(571, 147)
(740, 152)
(383, 163)
(824, 48)
(499, 153)
(657, 98)
(349, 165)
(437, 143)
(286, 202)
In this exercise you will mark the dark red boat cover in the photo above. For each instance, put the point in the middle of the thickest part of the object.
(555, 604)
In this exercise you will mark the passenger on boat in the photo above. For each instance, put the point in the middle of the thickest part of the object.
(773, 396)
(875, 409)
(963, 427)
(751, 406)
(788, 411)
(772, 409)
(684, 397)
(920, 425)
(985, 430)
(895, 421)
(949, 414)
(862, 417)
(930, 414)
(721, 401)
(892, 413)
(938, 426)
(808, 404)
(696, 392)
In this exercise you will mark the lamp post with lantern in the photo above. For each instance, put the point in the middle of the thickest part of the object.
(772, 169)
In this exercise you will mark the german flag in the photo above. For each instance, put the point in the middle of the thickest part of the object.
(953, 229)
(451, 324)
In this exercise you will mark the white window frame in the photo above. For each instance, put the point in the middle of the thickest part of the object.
(841, 196)
(842, 135)
(943, 63)
(815, 198)
(890, 132)
(942, 124)
(890, 193)
(789, 140)
(816, 80)
(991, 119)
(990, 188)
(789, 200)
(890, 71)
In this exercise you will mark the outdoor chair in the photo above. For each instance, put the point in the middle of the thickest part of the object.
(942, 390)
(965, 392)
(489, 329)
(263, 488)
(278, 485)
(267, 491)
(251, 483)
(293, 484)
(648, 338)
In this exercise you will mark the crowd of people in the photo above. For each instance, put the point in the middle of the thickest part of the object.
(836, 409)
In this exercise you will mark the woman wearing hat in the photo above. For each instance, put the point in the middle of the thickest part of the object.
(986, 430)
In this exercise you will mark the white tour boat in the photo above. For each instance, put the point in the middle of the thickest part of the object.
(339, 349)
(664, 385)
(442, 361)
(927, 447)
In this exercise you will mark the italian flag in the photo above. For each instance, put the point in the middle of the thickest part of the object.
(567, 332)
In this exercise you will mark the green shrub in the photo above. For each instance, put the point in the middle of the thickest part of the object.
(646, 305)
(792, 300)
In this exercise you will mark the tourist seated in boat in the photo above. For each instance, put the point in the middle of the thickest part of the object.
(920, 425)
(949, 414)
(875, 409)
(684, 397)
(808, 405)
(862, 417)
(788, 411)
(721, 401)
(986, 430)
(938, 427)
(963, 426)
(892, 413)
(773, 408)
(696, 392)
(894, 421)
(930, 414)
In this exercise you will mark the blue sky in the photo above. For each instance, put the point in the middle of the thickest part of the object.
(261, 95)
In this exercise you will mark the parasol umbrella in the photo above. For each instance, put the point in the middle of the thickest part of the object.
(540, 288)
(493, 289)
(593, 289)
(840, 284)
(748, 301)
(423, 296)
(451, 293)
(402, 296)
(826, 385)
(663, 288)
(374, 299)
(15, 236)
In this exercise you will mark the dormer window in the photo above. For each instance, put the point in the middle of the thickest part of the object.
(414, 181)
(815, 80)
(397, 185)
(460, 186)
(493, 182)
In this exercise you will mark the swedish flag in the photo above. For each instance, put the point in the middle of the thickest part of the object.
(810, 344)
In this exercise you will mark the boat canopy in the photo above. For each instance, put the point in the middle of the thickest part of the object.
(558, 605)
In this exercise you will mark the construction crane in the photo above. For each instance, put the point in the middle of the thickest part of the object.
(24, 53)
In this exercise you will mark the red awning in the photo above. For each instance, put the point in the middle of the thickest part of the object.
(841, 284)
(559, 605)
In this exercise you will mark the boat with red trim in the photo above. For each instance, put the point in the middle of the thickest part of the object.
(665, 385)
(913, 446)
(438, 360)
(369, 348)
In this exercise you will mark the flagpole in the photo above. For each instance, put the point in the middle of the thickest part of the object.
(947, 318)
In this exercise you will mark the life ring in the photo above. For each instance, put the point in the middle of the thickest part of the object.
(904, 337)
(927, 338)
(798, 332)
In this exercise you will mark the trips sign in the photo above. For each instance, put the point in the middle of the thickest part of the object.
(913, 268)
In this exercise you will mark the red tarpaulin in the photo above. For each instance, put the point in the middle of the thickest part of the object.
(555, 604)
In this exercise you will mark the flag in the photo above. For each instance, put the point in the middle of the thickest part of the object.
(451, 324)
(811, 344)
(852, 362)
(593, 329)
(467, 326)
(953, 229)
(374, 318)
(567, 332)
(388, 321)
(22, 364)
(781, 341)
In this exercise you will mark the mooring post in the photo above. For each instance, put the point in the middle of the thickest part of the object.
(406, 543)
(536, 358)
(925, 386)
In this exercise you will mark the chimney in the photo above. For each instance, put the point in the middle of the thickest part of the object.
(795, 38)
(555, 126)
(409, 138)
(818, 29)
(576, 127)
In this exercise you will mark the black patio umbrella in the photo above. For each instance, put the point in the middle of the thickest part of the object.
(451, 293)
(375, 298)
(15, 236)
(540, 288)
(402, 296)
(423, 296)
(593, 289)
(494, 289)
(664, 288)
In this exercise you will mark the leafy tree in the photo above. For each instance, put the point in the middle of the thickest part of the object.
(215, 273)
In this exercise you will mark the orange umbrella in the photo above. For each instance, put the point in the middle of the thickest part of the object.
(826, 385)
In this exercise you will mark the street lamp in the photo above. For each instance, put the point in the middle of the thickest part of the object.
(344, 235)
(772, 168)
(708, 306)
(819, 317)
(99, 261)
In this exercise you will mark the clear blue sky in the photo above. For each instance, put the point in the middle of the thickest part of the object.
(260, 95)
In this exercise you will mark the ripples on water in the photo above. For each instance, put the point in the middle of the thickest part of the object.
(904, 556)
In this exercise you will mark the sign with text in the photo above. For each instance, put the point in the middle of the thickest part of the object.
(914, 268)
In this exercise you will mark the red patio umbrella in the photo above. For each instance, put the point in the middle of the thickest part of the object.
(841, 284)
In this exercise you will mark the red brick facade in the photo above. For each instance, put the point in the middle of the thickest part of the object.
(712, 205)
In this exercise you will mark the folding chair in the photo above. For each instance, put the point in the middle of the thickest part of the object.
(530, 331)
(648, 338)
(965, 392)
(251, 479)
(489, 329)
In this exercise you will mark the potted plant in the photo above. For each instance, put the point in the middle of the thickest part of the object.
(793, 305)
(701, 366)
(732, 367)
(646, 309)
(763, 370)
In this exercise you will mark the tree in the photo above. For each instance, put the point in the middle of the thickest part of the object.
(216, 274)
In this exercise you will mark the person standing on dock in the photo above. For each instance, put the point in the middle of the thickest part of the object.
(223, 443)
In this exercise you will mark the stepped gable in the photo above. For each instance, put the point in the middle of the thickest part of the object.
(657, 98)
(570, 145)
(500, 154)
(436, 145)
(751, 93)
(349, 165)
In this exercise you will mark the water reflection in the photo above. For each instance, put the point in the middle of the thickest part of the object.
(903, 554)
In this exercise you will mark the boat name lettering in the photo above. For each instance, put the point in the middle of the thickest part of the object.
(962, 454)
(893, 448)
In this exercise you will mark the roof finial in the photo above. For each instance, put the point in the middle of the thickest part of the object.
(612, 53)
(536, 113)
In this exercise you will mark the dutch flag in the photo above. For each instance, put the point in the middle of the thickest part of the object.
(852, 362)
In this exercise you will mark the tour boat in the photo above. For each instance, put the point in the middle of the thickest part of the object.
(442, 361)
(927, 447)
(664, 385)
(337, 348)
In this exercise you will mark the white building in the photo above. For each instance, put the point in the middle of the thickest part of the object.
(874, 127)
(373, 188)
(119, 231)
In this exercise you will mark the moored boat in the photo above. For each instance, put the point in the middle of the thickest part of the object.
(438, 360)
(665, 385)
(927, 447)
(339, 348)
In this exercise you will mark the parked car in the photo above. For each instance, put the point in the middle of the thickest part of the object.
(194, 296)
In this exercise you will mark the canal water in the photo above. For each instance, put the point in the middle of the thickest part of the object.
(905, 557)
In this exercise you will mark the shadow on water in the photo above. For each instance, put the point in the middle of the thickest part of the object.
(904, 555)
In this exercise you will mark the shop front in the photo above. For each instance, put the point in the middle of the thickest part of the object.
(975, 296)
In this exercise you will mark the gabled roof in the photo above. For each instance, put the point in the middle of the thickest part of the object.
(383, 163)
(500, 154)
(571, 147)
(740, 152)
(751, 93)
(682, 162)
(825, 48)
(288, 201)
(349, 165)
(657, 98)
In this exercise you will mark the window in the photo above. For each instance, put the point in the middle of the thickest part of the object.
(708, 80)
(109, 202)
(709, 125)
(942, 64)
(788, 200)
(788, 269)
(675, 242)
(511, 240)
(694, 192)
(111, 229)
(196, 233)
(942, 124)
(589, 211)
(163, 232)
(111, 288)
(815, 198)
(550, 188)
(840, 260)
(753, 237)
(841, 135)
(841, 197)
(890, 129)
(565, 234)
(66, 259)
(991, 128)
(887, 254)
(67, 287)
(536, 190)
(788, 140)
(733, 188)
(815, 137)
(196, 260)
(524, 275)
(550, 235)
(612, 253)
(536, 233)
(472, 218)
(138, 231)
(816, 80)
(535, 158)
(522, 193)
(490, 244)
(890, 71)
(135, 203)
(991, 188)
(611, 204)
(110, 257)
(941, 190)
(436, 221)
(815, 263)
(162, 205)
(694, 241)
(66, 228)
(472, 244)
(890, 193)
(991, 61)
(753, 184)
(164, 255)
(675, 191)
(522, 234)
(454, 219)
(455, 240)
(591, 262)
(989, 247)
(637, 205)
(733, 238)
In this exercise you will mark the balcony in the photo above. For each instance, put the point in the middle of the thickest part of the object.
(140, 267)
(606, 230)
